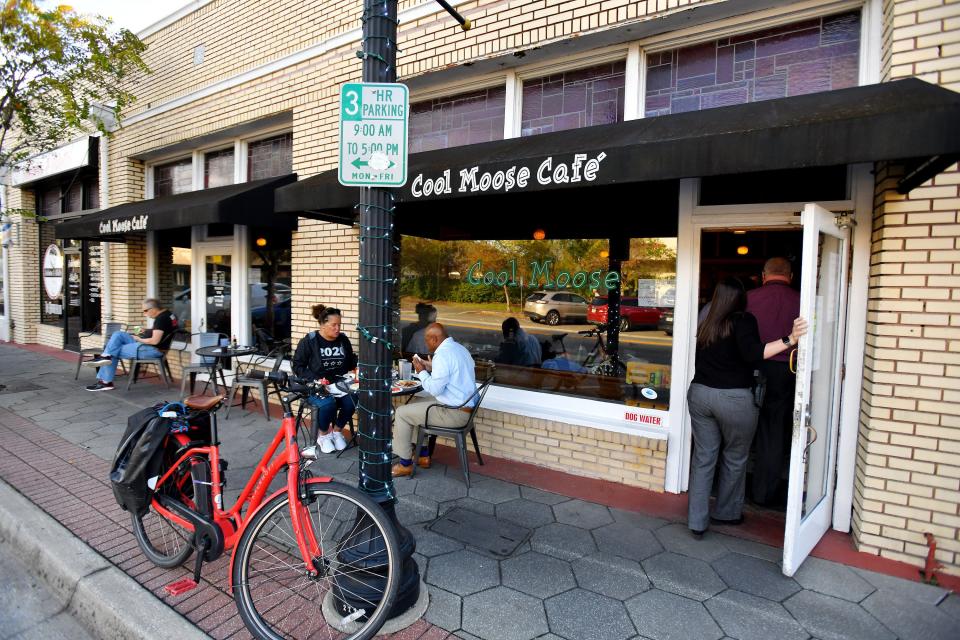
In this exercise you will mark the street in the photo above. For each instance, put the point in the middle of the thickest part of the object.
(29, 610)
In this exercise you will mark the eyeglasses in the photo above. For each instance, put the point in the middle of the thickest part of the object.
(145, 311)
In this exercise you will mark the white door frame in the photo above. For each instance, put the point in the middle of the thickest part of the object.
(693, 219)
(238, 249)
(5, 316)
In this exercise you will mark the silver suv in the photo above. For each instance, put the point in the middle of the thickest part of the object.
(554, 307)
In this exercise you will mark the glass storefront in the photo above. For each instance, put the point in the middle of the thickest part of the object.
(271, 274)
(173, 273)
(218, 300)
(530, 311)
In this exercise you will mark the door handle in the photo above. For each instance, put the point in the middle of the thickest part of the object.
(811, 438)
(792, 361)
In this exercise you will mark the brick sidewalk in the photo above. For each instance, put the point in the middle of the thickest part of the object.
(70, 484)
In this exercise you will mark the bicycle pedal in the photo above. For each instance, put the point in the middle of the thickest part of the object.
(180, 587)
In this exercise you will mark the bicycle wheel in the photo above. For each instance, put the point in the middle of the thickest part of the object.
(164, 542)
(349, 589)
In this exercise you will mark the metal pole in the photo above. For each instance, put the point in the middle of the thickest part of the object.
(376, 328)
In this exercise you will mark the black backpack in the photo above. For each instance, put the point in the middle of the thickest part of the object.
(139, 457)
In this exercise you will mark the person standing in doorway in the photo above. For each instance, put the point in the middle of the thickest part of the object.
(722, 410)
(774, 305)
(149, 343)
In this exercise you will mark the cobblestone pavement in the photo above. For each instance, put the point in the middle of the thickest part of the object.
(585, 571)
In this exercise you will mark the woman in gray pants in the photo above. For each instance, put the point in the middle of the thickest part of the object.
(722, 410)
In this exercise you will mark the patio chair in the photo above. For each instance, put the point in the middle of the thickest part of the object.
(191, 369)
(143, 360)
(243, 380)
(266, 343)
(88, 355)
(459, 434)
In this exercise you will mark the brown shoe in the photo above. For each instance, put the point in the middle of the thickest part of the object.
(400, 470)
(423, 462)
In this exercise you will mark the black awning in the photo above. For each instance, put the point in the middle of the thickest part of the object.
(250, 203)
(902, 120)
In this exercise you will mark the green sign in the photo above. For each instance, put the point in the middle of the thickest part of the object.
(373, 134)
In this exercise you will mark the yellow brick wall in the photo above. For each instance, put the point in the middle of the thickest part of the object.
(50, 336)
(23, 260)
(908, 458)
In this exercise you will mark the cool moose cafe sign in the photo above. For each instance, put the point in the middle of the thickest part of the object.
(124, 225)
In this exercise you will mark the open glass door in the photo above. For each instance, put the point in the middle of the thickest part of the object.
(817, 401)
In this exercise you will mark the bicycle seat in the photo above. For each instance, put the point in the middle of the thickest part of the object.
(203, 403)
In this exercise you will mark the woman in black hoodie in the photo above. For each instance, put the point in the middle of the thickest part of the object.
(327, 353)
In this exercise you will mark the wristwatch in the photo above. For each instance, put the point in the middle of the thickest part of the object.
(786, 341)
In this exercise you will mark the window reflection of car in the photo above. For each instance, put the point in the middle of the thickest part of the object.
(666, 322)
(258, 298)
(631, 314)
(554, 307)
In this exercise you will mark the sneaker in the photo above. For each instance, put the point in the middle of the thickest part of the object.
(100, 361)
(326, 442)
(339, 443)
(101, 386)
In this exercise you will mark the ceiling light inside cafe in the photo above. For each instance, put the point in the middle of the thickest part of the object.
(539, 234)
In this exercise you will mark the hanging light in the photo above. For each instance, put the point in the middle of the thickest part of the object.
(604, 254)
(739, 232)
(539, 234)
(261, 242)
(743, 250)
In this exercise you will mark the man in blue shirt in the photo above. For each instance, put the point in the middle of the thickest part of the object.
(449, 377)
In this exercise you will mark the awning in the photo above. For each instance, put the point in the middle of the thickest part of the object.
(907, 120)
(250, 203)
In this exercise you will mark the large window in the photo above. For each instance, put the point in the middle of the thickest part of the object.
(271, 275)
(550, 290)
(466, 118)
(218, 168)
(820, 54)
(270, 157)
(173, 273)
(172, 178)
(573, 99)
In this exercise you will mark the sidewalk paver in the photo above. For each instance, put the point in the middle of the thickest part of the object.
(587, 571)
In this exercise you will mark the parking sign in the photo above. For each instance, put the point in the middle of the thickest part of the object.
(373, 134)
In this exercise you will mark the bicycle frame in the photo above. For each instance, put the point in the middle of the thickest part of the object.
(232, 521)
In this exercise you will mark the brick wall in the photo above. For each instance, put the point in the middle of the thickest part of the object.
(908, 459)
(24, 270)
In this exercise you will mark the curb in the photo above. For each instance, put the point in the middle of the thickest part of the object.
(106, 601)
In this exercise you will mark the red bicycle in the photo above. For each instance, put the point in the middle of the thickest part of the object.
(315, 558)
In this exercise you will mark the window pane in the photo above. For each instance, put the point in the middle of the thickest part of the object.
(172, 178)
(574, 99)
(50, 202)
(51, 276)
(820, 54)
(73, 200)
(218, 294)
(93, 194)
(173, 274)
(270, 293)
(218, 168)
(548, 354)
(454, 121)
(270, 157)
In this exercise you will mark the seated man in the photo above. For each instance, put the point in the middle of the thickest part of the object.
(449, 377)
(559, 359)
(151, 343)
(518, 347)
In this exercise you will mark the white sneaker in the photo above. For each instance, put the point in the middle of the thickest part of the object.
(326, 442)
(338, 440)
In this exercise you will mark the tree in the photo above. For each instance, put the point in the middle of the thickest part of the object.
(61, 73)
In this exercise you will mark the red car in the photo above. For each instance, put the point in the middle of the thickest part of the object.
(631, 315)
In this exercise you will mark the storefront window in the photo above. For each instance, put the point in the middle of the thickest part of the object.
(52, 278)
(270, 292)
(574, 99)
(551, 290)
(48, 203)
(218, 279)
(173, 273)
(467, 118)
(821, 54)
(270, 157)
(172, 178)
(218, 168)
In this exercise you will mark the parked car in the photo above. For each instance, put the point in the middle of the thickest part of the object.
(258, 298)
(666, 322)
(631, 315)
(554, 307)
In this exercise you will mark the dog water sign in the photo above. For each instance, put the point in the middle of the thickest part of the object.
(373, 134)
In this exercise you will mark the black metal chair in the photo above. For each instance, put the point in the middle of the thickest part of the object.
(266, 343)
(459, 434)
(87, 356)
(243, 380)
(190, 370)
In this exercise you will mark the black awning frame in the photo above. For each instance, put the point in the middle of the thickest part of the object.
(904, 120)
(248, 203)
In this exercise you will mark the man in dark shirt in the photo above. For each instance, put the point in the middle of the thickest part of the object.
(150, 343)
(775, 305)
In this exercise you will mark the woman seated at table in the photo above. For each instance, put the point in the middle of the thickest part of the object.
(327, 353)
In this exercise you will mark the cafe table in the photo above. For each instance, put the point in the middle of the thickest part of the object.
(219, 356)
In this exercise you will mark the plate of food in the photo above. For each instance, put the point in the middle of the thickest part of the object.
(404, 385)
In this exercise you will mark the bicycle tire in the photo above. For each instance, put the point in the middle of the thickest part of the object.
(278, 599)
(164, 542)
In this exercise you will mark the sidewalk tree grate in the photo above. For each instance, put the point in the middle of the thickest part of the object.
(481, 531)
